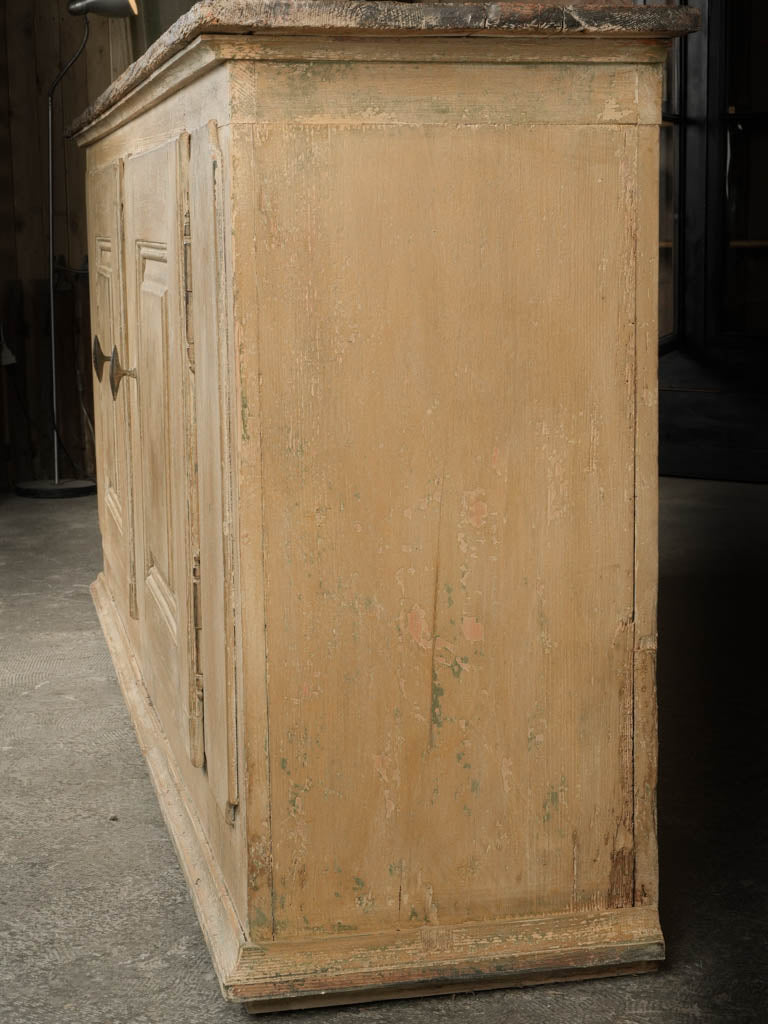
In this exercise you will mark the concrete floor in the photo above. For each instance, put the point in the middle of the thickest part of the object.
(95, 923)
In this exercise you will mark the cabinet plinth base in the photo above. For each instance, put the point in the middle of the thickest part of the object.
(435, 989)
(355, 968)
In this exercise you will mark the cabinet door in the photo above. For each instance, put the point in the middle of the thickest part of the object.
(154, 215)
(111, 416)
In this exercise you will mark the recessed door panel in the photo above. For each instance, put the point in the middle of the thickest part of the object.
(112, 415)
(155, 414)
(154, 216)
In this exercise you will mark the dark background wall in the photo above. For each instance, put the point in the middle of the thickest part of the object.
(36, 38)
(713, 265)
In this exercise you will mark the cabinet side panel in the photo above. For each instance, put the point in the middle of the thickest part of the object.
(446, 327)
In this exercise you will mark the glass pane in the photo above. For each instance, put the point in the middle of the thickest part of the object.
(667, 229)
(746, 299)
(747, 46)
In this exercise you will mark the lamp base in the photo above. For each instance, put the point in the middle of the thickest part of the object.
(51, 489)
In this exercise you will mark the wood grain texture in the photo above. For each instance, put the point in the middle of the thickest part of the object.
(394, 321)
(455, 488)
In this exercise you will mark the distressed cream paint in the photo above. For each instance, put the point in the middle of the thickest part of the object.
(378, 509)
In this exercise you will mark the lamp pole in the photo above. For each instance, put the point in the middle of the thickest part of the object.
(51, 300)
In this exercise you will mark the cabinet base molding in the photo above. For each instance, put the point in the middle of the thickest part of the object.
(357, 967)
(399, 991)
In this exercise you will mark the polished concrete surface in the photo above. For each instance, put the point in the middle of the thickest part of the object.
(95, 923)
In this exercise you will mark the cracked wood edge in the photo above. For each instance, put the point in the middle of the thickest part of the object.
(384, 17)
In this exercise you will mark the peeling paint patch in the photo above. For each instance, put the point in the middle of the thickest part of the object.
(507, 768)
(475, 509)
(537, 726)
(417, 627)
(473, 630)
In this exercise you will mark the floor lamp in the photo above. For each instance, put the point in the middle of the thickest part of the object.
(58, 487)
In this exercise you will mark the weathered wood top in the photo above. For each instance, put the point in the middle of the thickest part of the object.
(387, 17)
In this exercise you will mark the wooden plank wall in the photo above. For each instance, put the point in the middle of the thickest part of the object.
(36, 38)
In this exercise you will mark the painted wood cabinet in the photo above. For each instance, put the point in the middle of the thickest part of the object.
(378, 488)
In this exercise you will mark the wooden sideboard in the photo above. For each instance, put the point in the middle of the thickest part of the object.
(373, 290)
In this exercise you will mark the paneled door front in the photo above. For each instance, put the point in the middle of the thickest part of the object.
(154, 217)
(112, 419)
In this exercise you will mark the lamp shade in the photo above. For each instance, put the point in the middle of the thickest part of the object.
(107, 8)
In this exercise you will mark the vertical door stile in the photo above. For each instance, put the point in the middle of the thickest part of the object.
(194, 617)
(225, 395)
(125, 344)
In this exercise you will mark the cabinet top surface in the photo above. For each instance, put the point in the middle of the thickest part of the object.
(340, 18)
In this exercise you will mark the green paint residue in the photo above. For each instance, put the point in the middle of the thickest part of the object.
(553, 799)
(358, 882)
(475, 785)
(260, 919)
(436, 711)
(296, 793)
(413, 916)
(244, 416)
(284, 765)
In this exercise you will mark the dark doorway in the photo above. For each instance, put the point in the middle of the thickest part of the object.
(713, 310)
